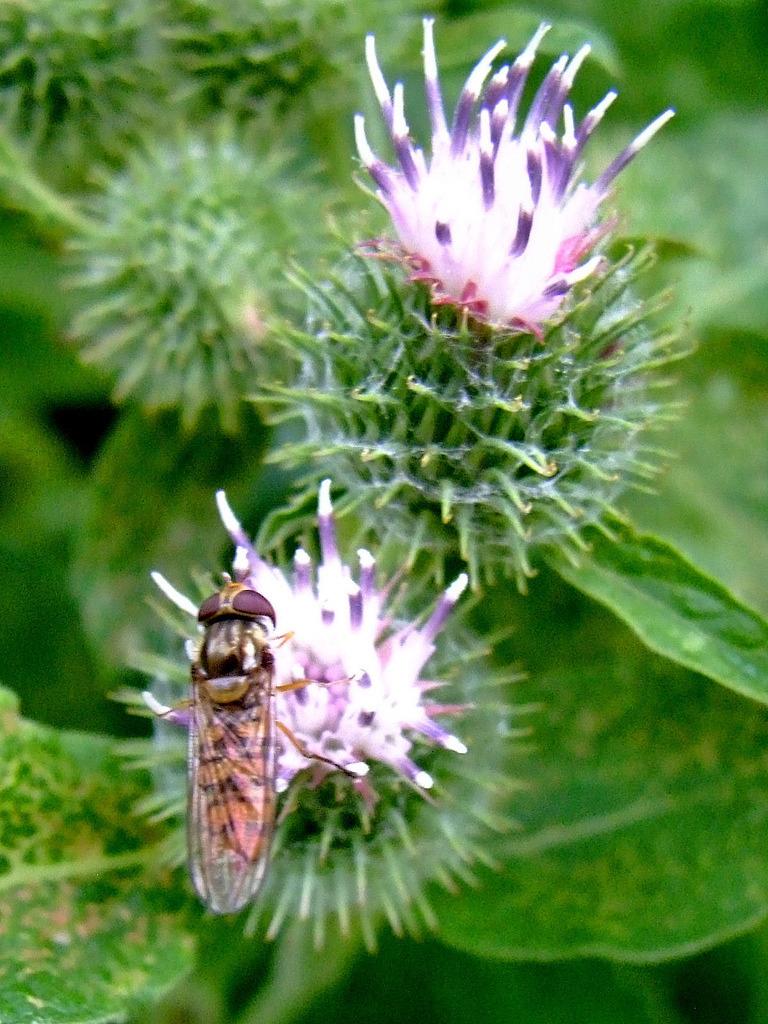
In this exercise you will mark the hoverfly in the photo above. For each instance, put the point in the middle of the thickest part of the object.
(232, 760)
(232, 749)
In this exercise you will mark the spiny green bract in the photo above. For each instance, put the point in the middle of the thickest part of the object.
(73, 74)
(183, 269)
(462, 437)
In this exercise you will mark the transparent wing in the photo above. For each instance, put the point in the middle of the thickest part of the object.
(231, 797)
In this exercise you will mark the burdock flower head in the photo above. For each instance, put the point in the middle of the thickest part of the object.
(358, 724)
(490, 380)
(496, 218)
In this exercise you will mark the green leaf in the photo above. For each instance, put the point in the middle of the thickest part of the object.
(675, 608)
(729, 980)
(438, 985)
(643, 804)
(592, 992)
(90, 927)
(712, 501)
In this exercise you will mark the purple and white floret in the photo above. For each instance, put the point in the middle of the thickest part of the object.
(370, 698)
(495, 217)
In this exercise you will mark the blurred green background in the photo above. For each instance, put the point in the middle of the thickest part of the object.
(94, 494)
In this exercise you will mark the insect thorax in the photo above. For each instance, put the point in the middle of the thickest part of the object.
(232, 653)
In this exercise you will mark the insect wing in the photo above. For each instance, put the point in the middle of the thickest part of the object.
(232, 797)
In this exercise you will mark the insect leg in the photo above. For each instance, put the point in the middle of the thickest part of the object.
(284, 638)
(299, 684)
(355, 770)
(178, 715)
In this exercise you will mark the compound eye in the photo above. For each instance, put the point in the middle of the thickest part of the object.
(209, 607)
(251, 602)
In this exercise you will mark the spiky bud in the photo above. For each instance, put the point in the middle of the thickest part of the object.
(235, 55)
(451, 437)
(183, 270)
(73, 75)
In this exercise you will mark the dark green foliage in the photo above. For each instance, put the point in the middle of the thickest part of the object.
(487, 443)
(459, 988)
(643, 825)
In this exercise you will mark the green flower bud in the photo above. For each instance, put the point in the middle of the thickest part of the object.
(74, 74)
(460, 435)
(233, 55)
(183, 271)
